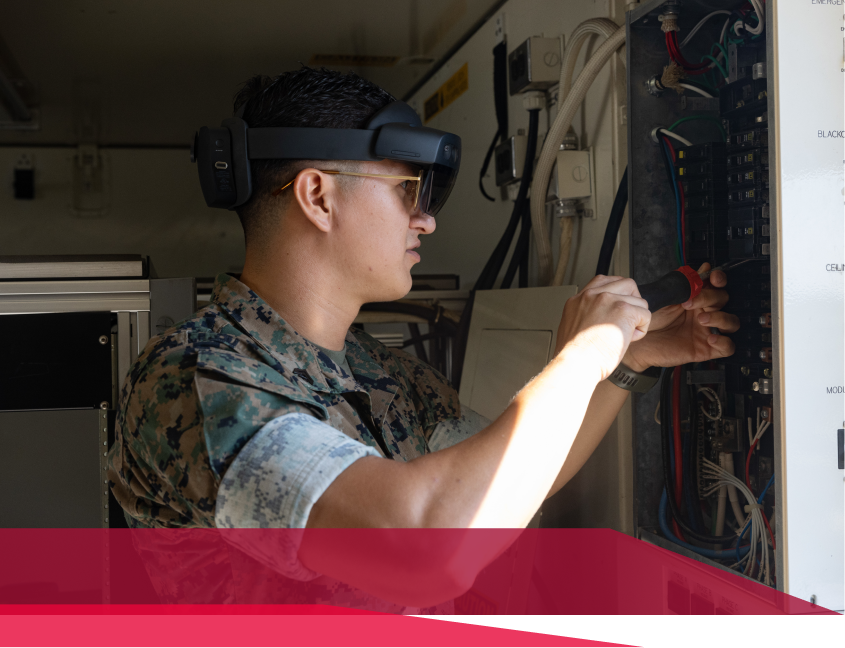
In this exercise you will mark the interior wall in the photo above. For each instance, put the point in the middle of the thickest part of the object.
(137, 80)
(469, 226)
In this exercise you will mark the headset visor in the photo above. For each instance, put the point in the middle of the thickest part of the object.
(437, 185)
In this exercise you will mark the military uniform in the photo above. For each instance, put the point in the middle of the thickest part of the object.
(233, 419)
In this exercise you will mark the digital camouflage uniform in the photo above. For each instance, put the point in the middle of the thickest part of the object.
(200, 392)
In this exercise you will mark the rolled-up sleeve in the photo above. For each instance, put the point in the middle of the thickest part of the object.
(276, 479)
(448, 433)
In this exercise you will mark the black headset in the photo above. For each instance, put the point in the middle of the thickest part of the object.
(394, 133)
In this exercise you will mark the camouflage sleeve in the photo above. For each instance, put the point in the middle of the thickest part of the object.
(448, 433)
(435, 398)
(277, 478)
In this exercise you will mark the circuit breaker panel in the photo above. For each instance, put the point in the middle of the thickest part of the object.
(733, 162)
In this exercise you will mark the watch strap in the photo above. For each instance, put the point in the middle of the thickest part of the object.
(626, 378)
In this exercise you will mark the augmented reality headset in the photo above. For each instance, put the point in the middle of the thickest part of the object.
(394, 133)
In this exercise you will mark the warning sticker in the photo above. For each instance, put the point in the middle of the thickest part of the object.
(447, 93)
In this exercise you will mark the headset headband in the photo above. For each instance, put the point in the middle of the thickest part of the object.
(394, 133)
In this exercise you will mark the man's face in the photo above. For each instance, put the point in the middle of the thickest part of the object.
(377, 235)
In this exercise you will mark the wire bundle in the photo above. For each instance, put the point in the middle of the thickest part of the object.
(762, 426)
(680, 220)
(674, 49)
(736, 22)
(722, 477)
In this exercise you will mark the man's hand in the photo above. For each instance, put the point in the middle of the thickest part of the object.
(602, 320)
(681, 334)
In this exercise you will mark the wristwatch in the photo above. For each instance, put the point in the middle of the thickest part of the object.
(626, 378)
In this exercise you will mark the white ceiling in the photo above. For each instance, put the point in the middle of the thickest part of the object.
(156, 70)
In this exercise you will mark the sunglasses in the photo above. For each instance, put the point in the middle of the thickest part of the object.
(412, 192)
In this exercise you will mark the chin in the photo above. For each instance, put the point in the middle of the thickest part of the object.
(394, 291)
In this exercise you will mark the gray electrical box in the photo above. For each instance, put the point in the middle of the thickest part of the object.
(510, 159)
(534, 65)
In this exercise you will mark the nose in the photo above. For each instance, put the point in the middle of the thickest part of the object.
(422, 222)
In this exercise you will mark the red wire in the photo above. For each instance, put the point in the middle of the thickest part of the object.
(671, 148)
(748, 483)
(691, 69)
(673, 38)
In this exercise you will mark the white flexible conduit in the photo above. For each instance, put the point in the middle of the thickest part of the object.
(569, 102)
(566, 226)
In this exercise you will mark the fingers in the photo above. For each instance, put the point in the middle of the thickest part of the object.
(709, 298)
(725, 322)
(640, 314)
(718, 279)
(720, 346)
(600, 280)
(615, 285)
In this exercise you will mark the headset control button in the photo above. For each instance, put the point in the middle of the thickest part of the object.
(221, 165)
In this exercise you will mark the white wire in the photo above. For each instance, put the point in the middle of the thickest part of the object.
(724, 31)
(700, 24)
(668, 133)
(761, 17)
(757, 534)
(703, 93)
(714, 397)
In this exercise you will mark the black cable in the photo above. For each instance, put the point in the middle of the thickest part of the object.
(488, 277)
(525, 246)
(668, 484)
(500, 102)
(617, 211)
(459, 346)
(486, 164)
(417, 340)
(520, 251)
(447, 326)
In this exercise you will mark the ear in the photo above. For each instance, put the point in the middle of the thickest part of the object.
(316, 192)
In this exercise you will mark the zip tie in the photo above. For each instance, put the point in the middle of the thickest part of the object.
(750, 507)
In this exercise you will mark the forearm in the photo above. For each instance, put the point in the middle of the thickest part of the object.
(497, 478)
(603, 409)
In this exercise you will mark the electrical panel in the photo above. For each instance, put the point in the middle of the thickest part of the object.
(712, 446)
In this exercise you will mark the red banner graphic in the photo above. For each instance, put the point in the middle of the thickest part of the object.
(399, 571)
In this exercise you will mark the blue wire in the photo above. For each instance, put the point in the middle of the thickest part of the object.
(759, 501)
(677, 204)
(707, 553)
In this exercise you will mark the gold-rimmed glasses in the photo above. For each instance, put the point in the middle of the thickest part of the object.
(415, 193)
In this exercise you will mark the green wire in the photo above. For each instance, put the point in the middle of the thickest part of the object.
(704, 117)
(721, 47)
(718, 65)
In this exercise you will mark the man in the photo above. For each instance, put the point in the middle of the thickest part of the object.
(267, 410)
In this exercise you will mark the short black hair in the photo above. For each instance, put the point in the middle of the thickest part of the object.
(308, 97)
